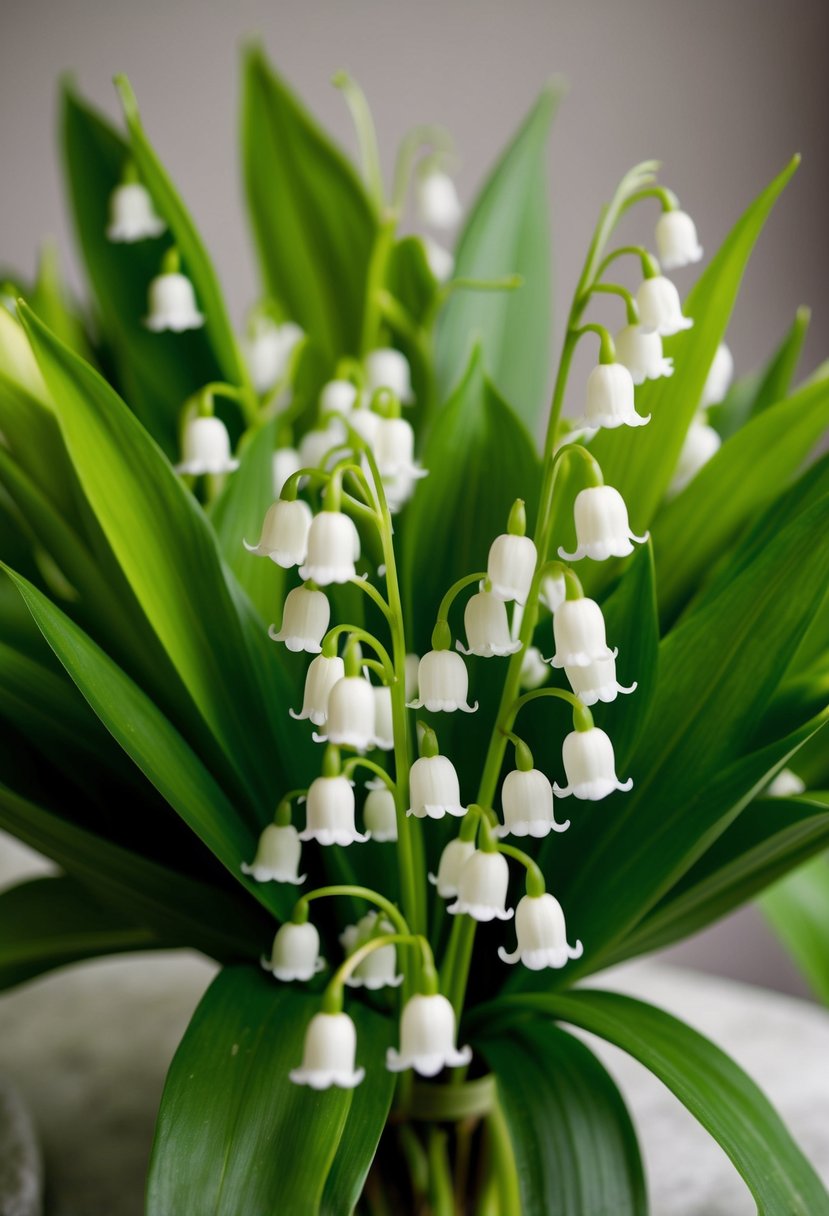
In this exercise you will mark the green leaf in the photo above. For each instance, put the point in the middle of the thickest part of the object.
(798, 909)
(574, 1144)
(507, 232)
(49, 922)
(707, 1082)
(269, 1144)
(745, 474)
(640, 465)
(309, 211)
(50, 301)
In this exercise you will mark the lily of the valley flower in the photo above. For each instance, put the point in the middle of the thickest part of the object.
(659, 308)
(527, 802)
(439, 260)
(379, 968)
(339, 397)
(452, 861)
(330, 813)
(383, 723)
(553, 591)
(316, 446)
(305, 619)
(329, 1053)
(487, 627)
(597, 682)
(389, 368)
(719, 377)
(323, 673)
(541, 935)
(482, 887)
(394, 449)
(610, 399)
(510, 567)
(442, 683)
(284, 537)
(277, 856)
(434, 789)
(172, 305)
(590, 766)
(132, 216)
(366, 423)
(206, 445)
(786, 784)
(676, 240)
(286, 462)
(579, 632)
(268, 349)
(640, 350)
(437, 199)
(602, 528)
(700, 444)
(350, 715)
(296, 952)
(380, 814)
(427, 1038)
(534, 668)
(333, 548)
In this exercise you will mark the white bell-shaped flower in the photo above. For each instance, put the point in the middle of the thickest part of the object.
(442, 683)
(400, 488)
(786, 784)
(535, 670)
(640, 350)
(350, 716)
(720, 375)
(206, 448)
(329, 811)
(132, 216)
(333, 548)
(579, 633)
(411, 667)
(323, 673)
(427, 1038)
(437, 199)
(394, 449)
(541, 935)
(510, 567)
(676, 240)
(487, 627)
(439, 260)
(284, 536)
(268, 349)
(317, 448)
(329, 1053)
(700, 444)
(590, 766)
(383, 722)
(172, 305)
(286, 462)
(277, 856)
(366, 423)
(305, 619)
(482, 887)
(527, 802)
(296, 952)
(379, 968)
(380, 814)
(434, 789)
(452, 860)
(610, 399)
(339, 397)
(389, 368)
(597, 682)
(602, 528)
(553, 591)
(659, 308)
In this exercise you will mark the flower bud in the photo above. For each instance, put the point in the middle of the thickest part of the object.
(305, 619)
(541, 935)
(510, 567)
(383, 722)
(443, 683)
(527, 802)
(676, 240)
(206, 447)
(333, 548)
(277, 856)
(439, 260)
(700, 444)
(284, 536)
(452, 860)
(350, 715)
(323, 673)
(482, 887)
(286, 462)
(590, 766)
(339, 397)
(296, 952)
(379, 968)
(268, 350)
(602, 528)
(380, 814)
(597, 682)
(330, 812)
(389, 368)
(172, 305)
(659, 308)
(427, 1038)
(640, 350)
(610, 400)
(579, 632)
(328, 1056)
(132, 216)
(719, 378)
(434, 789)
(437, 199)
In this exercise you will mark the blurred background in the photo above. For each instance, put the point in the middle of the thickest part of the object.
(722, 93)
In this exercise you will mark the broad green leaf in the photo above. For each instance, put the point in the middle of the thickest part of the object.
(769, 838)
(798, 909)
(752, 394)
(268, 1145)
(308, 209)
(507, 232)
(708, 1083)
(745, 474)
(640, 464)
(574, 1144)
(50, 300)
(49, 922)
(175, 906)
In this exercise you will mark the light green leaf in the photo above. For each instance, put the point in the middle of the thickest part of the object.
(50, 300)
(574, 1144)
(507, 232)
(798, 909)
(707, 1082)
(269, 1144)
(309, 211)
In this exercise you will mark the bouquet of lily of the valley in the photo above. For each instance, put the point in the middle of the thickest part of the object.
(312, 660)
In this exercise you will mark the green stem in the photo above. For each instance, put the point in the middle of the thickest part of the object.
(356, 892)
(362, 762)
(455, 590)
(375, 284)
(616, 289)
(373, 594)
(410, 147)
(329, 647)
(366, 134)
(440, 1174)
(504, 1158)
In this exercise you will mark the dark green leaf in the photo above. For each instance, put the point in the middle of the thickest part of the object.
(798, 908)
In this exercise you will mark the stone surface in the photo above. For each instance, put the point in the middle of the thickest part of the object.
(88, 1049)
(21, 1166)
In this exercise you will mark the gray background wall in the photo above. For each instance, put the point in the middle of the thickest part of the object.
(722, 91)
